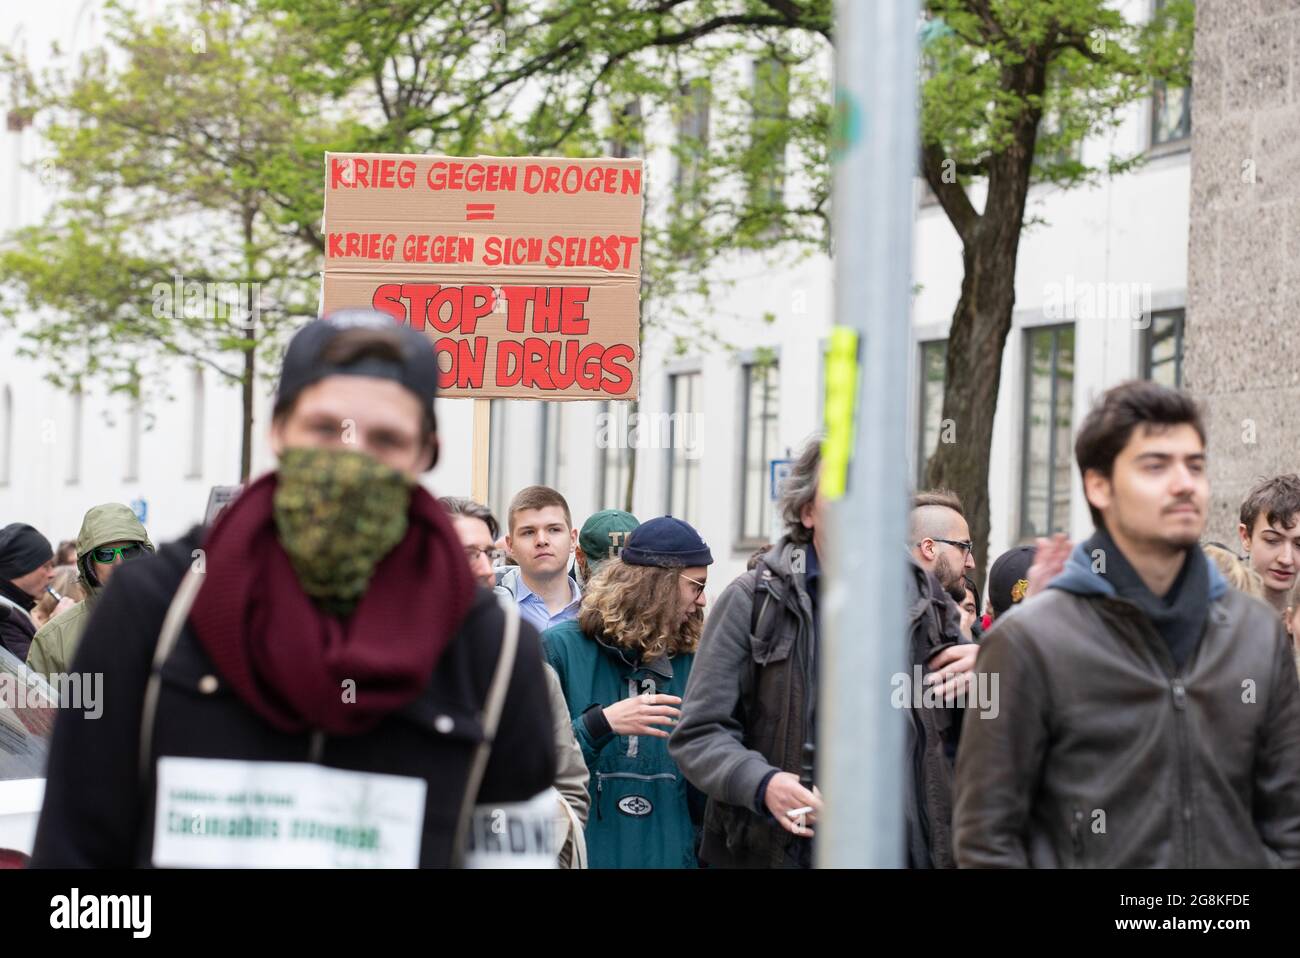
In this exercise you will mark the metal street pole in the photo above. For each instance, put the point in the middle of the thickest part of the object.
(860, 761)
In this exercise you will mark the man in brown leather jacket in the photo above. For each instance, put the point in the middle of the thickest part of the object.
(1149, 714)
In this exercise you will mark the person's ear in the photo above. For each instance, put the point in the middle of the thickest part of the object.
(1244, 534)
(429, 457)
(573, 540)
(277, 436)
(808, 515)
(1097, 489)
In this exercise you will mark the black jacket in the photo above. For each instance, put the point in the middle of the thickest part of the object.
(934, 624)
(97, 813)
(16, 630)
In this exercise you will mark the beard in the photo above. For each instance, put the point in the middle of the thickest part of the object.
(950, 578)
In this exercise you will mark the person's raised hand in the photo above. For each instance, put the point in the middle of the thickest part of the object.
(1050, 556)
(640, 714)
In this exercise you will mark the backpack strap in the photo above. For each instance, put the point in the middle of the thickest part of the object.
(491, 717)
(173, 625)
(576, 835)
(763, 585)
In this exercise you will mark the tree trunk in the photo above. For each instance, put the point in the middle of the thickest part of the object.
(250, 354)
(976, 338)
(246, 450)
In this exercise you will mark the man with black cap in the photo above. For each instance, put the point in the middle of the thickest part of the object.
(323, 642)
(1009, 579)
(1025, 571)
(26, 568)
(624, 664)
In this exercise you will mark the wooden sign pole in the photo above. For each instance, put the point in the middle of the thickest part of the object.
(482, 439)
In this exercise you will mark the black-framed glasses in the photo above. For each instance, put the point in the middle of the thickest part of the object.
(472, 554)
(965, 545)
(699, 586)
(106, 554)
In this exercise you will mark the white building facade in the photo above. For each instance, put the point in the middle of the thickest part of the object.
(1100, 289)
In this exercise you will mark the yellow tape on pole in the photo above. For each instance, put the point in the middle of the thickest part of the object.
(841, 410)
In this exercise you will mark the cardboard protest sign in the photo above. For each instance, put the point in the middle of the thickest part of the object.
(525, 272)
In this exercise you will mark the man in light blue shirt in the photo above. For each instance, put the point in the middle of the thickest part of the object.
(542, 539)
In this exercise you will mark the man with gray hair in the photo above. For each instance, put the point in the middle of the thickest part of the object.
(746, 737)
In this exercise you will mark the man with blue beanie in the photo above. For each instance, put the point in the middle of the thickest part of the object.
(623, 665)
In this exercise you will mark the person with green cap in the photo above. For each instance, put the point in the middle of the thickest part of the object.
(110, 535)
(602, 538)
(623, 664)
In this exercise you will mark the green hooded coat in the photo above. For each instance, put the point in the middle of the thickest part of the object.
(55, 642)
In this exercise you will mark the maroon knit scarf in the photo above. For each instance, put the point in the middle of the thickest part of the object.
(301, 669)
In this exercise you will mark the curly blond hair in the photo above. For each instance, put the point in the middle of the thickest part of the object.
(638, 608)
(1239, 575)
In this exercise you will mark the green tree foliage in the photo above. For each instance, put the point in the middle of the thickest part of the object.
(181, 165)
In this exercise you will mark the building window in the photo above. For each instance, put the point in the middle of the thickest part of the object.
(1171, 107)
(6, 434)
(771, 103)
(550, 454)
(934, 358)
(1162, 348)
(1051, 153)
(74, 449)
(683, 447)
(759, 444)
(614, 461)
(197, 425)
(134, 418)
(1171, 113)
(1049, 408)
(628, 138)
(692, 137)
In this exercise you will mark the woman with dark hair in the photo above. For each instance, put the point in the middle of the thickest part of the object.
(623, 665)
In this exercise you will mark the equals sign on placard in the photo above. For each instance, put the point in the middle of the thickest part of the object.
(480, 211)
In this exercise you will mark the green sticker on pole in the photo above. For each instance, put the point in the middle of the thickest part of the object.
(841, 410)
(846, 124)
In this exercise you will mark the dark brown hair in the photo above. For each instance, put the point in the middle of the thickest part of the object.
(1278, 499)
(536, 497)
(1109, 425)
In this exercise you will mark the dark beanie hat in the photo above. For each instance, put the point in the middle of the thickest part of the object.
(22, 550)
(303, 365)
(665, 541)
(1009, 577)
